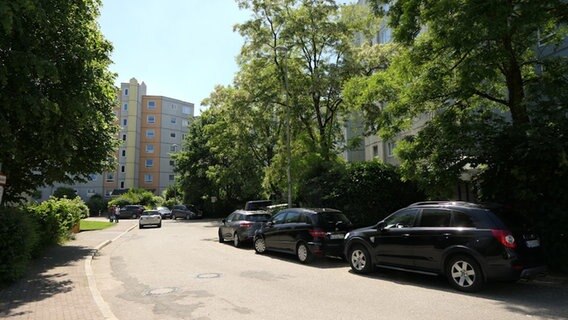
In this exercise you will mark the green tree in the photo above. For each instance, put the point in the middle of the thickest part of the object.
(56, 94)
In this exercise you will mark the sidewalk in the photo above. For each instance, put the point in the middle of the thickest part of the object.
(57, 285)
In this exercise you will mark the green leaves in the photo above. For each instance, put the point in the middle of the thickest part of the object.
(56, 94)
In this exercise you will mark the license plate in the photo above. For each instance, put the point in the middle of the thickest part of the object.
(533, 243)
(336, 236)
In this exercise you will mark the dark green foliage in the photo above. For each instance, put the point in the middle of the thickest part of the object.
(97, 205)
(64, 192)
(56, 94)
(20, 241)
(366, 192)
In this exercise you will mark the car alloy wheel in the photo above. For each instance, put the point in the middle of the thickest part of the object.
(134, 216)
(303, 253)
(360, 260)
(236, 240)
(464, 274)
(259, 245)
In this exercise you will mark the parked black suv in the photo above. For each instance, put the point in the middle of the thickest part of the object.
(131, 211)
(468, 243)
(304, 232)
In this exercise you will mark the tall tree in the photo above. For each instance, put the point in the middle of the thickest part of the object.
(308, 44)
(56, 94)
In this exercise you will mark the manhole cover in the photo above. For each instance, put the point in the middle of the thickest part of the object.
(159, 291)
(208, 275)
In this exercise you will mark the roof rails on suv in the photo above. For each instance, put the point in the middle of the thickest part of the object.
(445, 202)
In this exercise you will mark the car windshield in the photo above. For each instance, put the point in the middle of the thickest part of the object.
(150, 213)
(258, 217)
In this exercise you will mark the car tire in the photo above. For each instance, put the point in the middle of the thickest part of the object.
(464, 273)
(221, 239)
(236, 240)
(134, 216)
(187, 217)
(359, 259)
(303, 253)
(139, 226)
(259, 245)
(159, 225)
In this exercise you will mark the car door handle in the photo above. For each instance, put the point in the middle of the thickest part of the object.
(406, 235)
(446, 235)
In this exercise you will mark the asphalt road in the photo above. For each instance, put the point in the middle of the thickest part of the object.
(180, 271)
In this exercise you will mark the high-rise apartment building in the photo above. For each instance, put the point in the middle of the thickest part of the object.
(152, 128)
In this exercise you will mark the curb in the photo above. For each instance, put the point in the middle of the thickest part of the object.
(100, 302)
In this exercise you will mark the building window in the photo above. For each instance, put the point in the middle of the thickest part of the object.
(375, 151)
(149, 163)
(174, 106)
(172, 177)
(110, 177)
(151, 105)
(122, 168)
(173, 135)
(172, 163)
(123, 153)
(125, 92)
(173, 120)
(149, 148)
(92, 177)
(151, 119)
(124, 137)
(183, 135)
(148, 178)
(390, 149)
(125, 107)
(121, 184)
(186, 110)
(185, 123)
(124, 122)
(173, 148)
(150, 133)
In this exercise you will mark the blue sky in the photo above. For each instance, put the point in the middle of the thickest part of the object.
(179, 48)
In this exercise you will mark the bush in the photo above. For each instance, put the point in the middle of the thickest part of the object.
(57, 217)
(20, 240)
(97, 205)
(366, 192)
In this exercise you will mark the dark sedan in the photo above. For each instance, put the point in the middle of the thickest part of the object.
(241, 225)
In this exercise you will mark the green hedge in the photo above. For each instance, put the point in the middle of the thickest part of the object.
(57, 217)
(20, 240)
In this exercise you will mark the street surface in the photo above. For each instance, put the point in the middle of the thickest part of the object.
(180, 271)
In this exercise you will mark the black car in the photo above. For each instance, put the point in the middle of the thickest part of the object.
(468, 243)
(131, 211)
(241, 225)
(185, 212)
(304, 232)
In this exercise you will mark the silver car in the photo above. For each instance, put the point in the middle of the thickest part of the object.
(150, 217)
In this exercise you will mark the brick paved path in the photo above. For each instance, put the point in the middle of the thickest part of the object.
(57, 287)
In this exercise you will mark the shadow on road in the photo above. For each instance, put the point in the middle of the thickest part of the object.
(40, 283)
(527, 298)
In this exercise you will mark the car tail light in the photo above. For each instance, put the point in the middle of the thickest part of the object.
(317, 233)
(505, 237)
(246, 224)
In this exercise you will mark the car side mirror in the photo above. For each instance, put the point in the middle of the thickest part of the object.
(224, 220)
(269, 224)
(381, 226)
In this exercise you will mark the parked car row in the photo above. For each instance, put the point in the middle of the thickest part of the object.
(469, 244)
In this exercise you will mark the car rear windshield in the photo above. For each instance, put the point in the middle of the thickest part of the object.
(332, 220)
(512, 219)
(257, 217)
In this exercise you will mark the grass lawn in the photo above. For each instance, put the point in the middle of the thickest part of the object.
(94, 225)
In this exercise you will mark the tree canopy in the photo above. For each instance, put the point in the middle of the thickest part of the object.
(56, 94)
